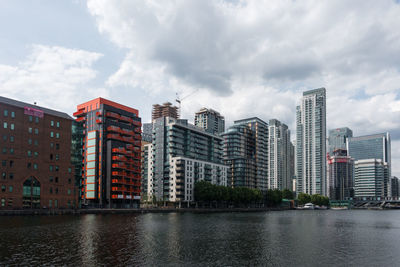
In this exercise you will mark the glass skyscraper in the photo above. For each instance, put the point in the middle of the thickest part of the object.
(311, 143)
(337, 139)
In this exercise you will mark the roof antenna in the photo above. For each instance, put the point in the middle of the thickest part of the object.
(34, 103)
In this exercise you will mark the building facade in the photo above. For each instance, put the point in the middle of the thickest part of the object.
(369, 177)
(260, 131)
(340, 175)
(36, 167)
(111, 154)
(239, 156)
(210, 120)
(395, 187)
(376, 146)
(311, 143)
(164, 110)
(338, 138)
(280, 164)
(181, 155)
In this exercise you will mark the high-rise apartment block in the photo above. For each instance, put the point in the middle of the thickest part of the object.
(164, 110)
(280, 172)
(340, 175)
(36, 166)
(395, 187)
(371, 147)
(311, 142)
(337, 139)
(239, 156)
(210, 120)
(111, 154)
(182, 154)
(369, 179)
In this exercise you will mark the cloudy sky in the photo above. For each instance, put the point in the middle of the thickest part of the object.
(242, 58)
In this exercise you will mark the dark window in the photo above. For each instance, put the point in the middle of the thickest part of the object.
(30, 118)
(52, 145)
(36, 142)
(11, 139)
(11, 150)
(56, 180)
(56, 190)
(69, 180)
(11, 163)
(5, 137)
(4, 150)
(56, 167)
(51, 190)
(51, 179)
(4, 175)
(57, 146)
(4, 163)
(30, 141)
(3, 188)
(51, 156)
(11, 175)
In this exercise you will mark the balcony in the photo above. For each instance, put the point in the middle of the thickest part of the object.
(99, 114)
(80, 119)
(99, 121)
(113, 115)
(78, 113)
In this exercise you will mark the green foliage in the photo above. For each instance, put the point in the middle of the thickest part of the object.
(304, 198)
(319, 200)
(205, 191)
(286, 193)
(274, 197)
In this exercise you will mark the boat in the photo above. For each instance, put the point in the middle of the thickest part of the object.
(309, 206)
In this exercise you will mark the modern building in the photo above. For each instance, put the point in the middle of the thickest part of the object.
(181, 155)
(376, 146)
(280, 164)
(369, 177)
(395, 187)
(311, 143)
(338, 138)
(210, 120)
(340, 175)
(36, 167)
(111, 154)
(239, 156)
(146, 169)
(260, 131)
(147, 132)
(164, 110)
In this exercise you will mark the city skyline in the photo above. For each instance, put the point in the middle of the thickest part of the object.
(86, 49)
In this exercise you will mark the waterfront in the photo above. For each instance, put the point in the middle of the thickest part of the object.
(286, 238)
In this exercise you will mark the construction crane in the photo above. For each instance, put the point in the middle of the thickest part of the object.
(179, 100)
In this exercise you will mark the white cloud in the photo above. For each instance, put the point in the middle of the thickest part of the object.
(55, 77)
(253, 58)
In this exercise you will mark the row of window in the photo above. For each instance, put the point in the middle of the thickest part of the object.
(4, 163)
(6, 150)
(5, 113)
(10, 175)
(5, 137)
(5, 126)
(4, 188)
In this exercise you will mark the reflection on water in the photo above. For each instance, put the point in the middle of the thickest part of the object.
(290, 238)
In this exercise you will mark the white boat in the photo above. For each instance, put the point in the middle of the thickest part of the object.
(309, 206)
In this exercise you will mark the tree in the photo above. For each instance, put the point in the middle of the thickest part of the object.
(286, 193)
(304, 198)
(274, 197)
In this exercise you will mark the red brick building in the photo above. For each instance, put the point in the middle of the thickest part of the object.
(35, 157)
(111, 154)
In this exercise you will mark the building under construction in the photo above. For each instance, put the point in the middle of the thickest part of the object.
(164, 110)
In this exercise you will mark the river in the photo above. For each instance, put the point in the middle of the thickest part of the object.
(279, 238)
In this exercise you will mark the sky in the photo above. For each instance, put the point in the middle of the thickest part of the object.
(242, 58)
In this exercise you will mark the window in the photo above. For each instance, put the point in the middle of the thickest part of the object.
(11, 163)
(35, 166)
(69, 191)
(36, 154)
(4, 137)
(30, 118)
(69, 170)
(3, 188)
(5, 113)
(51, 190)
(36, 131)
(69, 180)
(57, 146)
(12, 126)
(51, 179)
(11, 175)
(4, 150)
(30, 130)
(52, 123)
(56, 168)
(4, 163)
(51, 145)
(51, 168)
(29, 153)
(55, 203)
(11, 151)
(51, 156)
(36, 142)
(12, 139)
(30, 141)
(3, 202)
(29, 165)
(50, 203)
(57, 157)
(58, 124)
(37, 119)
(51, 134)
(12, 114)
(56, 180)
(5, 125)
(4, 175)
(10, 188)
(57, 135)
(56, 190)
